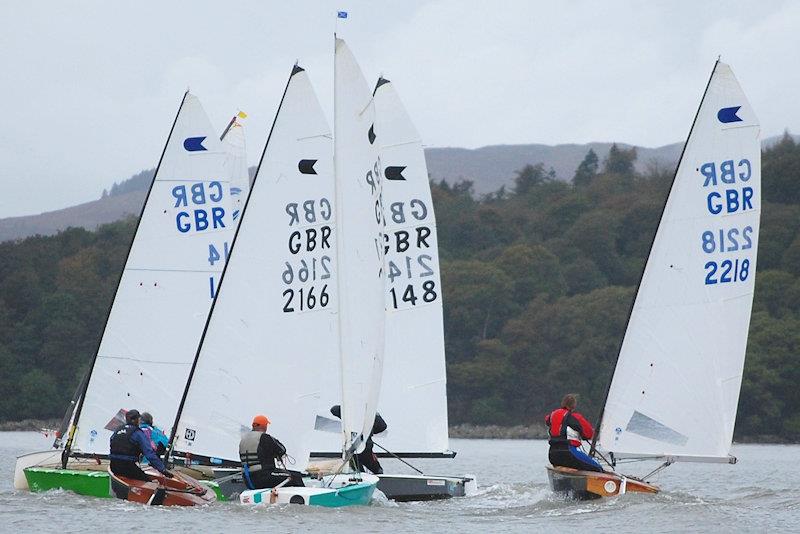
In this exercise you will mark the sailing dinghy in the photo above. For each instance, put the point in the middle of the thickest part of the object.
(414, 397)
(279, 318)
(168, 283)
(675, 388)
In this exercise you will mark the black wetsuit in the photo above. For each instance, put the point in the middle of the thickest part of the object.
(269, 475)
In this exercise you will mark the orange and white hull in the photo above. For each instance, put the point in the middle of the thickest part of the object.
(594, 485)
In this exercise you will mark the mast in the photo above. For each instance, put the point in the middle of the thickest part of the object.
(228, 128)
(174, 430)
(593, 448)
(336, 173)
(68, 445)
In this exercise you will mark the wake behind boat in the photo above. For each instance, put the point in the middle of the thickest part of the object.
(675, 388)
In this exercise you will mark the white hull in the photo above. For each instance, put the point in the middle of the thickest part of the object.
(330, 491)
(50, 458)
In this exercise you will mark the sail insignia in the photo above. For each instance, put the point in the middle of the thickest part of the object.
(194, 144)
(726, 115)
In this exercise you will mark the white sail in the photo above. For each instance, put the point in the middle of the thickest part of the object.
(236, 166)
(414, 399)
(167, 287)
(275, 316)
(359, 248)
(676, 385)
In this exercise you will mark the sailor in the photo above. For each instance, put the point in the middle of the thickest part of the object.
(128, 443)
(566, 429)
(259, 453)
(158, 440)
(367, 458)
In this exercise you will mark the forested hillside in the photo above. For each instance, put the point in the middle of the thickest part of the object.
(538, 281)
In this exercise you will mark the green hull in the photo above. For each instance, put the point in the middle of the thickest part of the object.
(91, 483)
(353, 495)
(215, 488)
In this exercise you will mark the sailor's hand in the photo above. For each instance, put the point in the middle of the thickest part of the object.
(167, 474)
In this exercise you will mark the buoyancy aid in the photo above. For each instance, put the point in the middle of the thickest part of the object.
(122, 447)
(248, 449)
(568, 427)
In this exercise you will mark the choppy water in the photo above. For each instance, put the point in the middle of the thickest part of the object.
(761, 493)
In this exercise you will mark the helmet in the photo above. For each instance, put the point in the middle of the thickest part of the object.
(147, 418)
(131, 415)
(260, 420)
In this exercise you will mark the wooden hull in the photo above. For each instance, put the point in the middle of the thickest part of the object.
(179, 491)
(593, 485)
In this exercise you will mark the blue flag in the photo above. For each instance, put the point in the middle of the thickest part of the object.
(341, 14)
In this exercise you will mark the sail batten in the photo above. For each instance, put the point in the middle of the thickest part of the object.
(676, 384)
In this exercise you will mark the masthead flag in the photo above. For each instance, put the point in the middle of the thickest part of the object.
(341, 14)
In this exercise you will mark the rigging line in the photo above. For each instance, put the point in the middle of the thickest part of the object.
(75, 420)
(593, 448)
(656, 470)
(396, 457)
(338, 471)
(295, 69)
(602, 457)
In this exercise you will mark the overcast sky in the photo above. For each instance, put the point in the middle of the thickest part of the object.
(89, 88)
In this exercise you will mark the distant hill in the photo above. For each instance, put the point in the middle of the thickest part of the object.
(491, 167)
(488, 168)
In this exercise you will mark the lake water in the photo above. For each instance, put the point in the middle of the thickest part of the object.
(761, 493)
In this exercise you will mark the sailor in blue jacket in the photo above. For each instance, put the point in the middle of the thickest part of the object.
(158, 440)
(127, 444)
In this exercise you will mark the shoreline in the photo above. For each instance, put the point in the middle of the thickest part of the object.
(462, 431)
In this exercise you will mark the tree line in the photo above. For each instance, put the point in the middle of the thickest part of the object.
(538, 281)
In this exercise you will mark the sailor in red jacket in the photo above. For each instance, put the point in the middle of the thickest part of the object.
(566, 429)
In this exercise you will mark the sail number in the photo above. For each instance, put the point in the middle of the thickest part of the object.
(308, 266)
(306, 299)
(412, 297)
(727, 271)
(199, 218)
(731, 240)
(728, 173)
(723, 240)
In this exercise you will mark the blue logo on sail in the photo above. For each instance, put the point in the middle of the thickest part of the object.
(194, 144)
(726, 115)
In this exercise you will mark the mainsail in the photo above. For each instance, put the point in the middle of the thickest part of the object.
(414, 400)
(676, 385)
(167, 286)
(275, 317)
(359, 218)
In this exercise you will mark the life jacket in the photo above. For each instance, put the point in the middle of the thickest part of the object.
(560, 431)
(248, 448)
(122, 447)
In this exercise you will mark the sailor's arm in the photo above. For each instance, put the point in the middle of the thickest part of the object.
(584, 427)
(147, 450)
